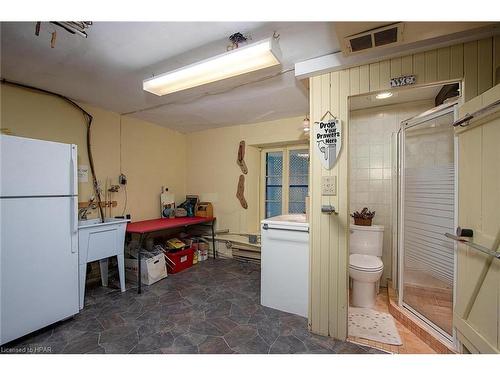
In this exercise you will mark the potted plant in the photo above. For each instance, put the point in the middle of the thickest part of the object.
(364, 217)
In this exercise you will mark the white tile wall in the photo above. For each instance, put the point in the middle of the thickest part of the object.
(370, 132)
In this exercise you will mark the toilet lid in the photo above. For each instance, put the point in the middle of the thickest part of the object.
(365, 262)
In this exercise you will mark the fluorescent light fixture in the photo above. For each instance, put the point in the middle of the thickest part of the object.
(384, 95)
(239, 61)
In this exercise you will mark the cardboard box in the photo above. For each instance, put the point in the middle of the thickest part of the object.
(152, 269)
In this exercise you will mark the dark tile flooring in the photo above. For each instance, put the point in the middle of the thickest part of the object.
(211, 308)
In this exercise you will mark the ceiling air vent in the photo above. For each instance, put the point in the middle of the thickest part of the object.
(380, 37)
(361, 43)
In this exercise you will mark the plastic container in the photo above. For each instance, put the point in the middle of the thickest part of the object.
(180, 260)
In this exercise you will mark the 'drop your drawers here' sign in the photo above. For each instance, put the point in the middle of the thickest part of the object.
(328, 140)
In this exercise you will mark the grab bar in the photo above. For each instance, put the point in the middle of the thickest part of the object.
(266, 227)
(474, 245)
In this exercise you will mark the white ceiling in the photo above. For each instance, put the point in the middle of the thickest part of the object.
(107, 68)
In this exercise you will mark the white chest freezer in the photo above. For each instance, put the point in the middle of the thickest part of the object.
(285, 264)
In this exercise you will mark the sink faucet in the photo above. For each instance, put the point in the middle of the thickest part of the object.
(83, 212)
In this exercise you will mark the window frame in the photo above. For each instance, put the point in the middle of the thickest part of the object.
(285, 182)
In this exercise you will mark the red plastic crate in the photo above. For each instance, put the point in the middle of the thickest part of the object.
(180, 260)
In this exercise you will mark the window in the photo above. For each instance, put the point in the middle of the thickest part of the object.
(274, 183)
(285, 180)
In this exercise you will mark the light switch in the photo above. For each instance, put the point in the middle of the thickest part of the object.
(328, 185)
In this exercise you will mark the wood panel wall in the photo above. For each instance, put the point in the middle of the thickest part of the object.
(472, 62)
(478, 319)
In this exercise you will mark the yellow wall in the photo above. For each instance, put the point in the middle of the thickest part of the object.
(201, 163)
(152, 156)
(213, 172)
(473, 62)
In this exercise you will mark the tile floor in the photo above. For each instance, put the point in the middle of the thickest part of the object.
(211, 308)
(431, 297)
(412, 344)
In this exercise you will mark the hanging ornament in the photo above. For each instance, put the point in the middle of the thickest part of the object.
(328, 139)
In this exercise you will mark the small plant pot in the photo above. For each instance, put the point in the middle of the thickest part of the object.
(363, 222)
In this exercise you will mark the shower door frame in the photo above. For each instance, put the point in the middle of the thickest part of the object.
(439, 111)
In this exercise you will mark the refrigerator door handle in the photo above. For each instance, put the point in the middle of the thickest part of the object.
(74, 171)
(74, 199)
(74, 224)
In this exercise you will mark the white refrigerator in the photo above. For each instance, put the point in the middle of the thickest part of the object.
(38, 235)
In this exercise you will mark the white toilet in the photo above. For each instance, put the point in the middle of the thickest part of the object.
(365, 263)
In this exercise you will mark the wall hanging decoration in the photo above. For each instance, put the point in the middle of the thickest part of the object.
(328, 138)
(240, 193)
(241, 156)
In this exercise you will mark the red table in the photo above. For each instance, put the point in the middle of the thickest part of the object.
(146, 227)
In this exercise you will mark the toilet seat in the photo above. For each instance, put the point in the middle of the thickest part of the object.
(365, 263)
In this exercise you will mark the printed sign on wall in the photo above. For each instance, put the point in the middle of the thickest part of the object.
(83, 173)
(328, 138)
(403, 81)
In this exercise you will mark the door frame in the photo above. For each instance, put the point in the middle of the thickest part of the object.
(435, 112)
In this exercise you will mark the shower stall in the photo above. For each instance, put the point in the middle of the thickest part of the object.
(427, 209)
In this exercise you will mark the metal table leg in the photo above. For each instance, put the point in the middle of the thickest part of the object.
(139, 278)
(213, 238)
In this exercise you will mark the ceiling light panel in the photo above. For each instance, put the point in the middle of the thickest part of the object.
(239, 61)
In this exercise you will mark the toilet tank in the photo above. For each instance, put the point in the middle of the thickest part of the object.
(366, 240)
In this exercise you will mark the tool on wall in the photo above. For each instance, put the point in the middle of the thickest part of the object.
(241, 156)
(240, 194)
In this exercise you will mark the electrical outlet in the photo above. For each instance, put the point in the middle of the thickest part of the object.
(328, 185)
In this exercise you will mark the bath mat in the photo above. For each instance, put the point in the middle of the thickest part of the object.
(373, 325)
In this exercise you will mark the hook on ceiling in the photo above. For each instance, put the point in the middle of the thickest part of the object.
(236, 39)
(73, 27)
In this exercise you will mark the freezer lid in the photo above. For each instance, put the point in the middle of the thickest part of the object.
(290, 221)
(31, 167)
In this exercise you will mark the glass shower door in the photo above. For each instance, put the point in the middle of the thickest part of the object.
(427, 211)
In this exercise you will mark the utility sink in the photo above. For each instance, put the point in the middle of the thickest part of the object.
(97, 222)
(99, 241)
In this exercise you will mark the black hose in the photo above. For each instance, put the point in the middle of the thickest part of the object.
(88, 117)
